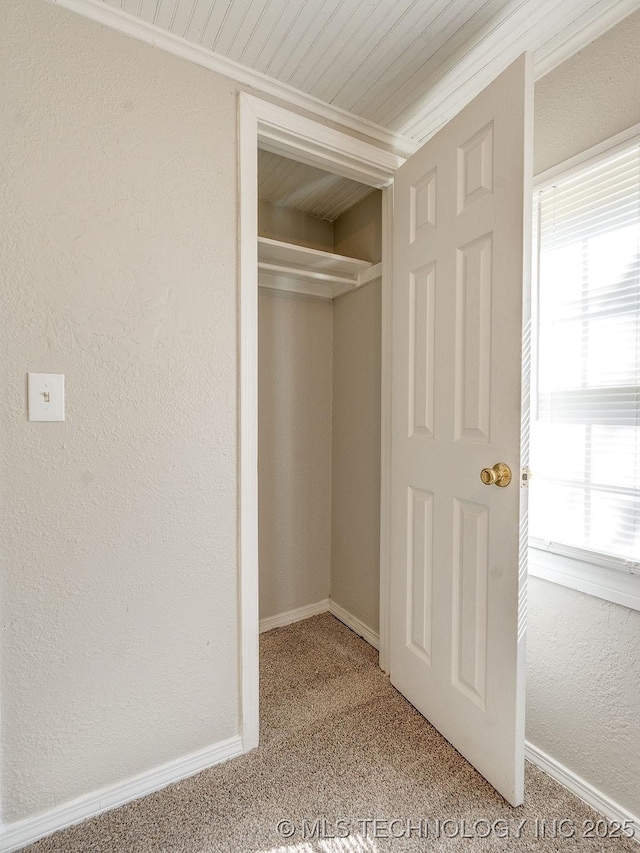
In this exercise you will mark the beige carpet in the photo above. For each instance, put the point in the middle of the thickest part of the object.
(338, 743)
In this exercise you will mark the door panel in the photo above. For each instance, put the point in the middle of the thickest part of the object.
(461, 243)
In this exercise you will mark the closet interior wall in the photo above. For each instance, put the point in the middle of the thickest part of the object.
(294, 450)
(355, 463)
(319, 425)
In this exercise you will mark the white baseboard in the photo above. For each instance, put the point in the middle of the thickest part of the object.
(291, 616)
(578, 786)
(324, 606)
(355, 624)
(23, 832)
(19, 834)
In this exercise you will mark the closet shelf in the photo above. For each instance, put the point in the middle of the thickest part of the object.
(297, 269)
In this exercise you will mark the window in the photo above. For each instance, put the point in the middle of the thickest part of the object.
(584, 510)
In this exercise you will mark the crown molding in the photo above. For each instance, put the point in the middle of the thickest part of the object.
(461, 81)
(480, 61)
(121, 21)
(559, 50)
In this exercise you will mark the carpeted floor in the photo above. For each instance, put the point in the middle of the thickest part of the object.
(338, 743)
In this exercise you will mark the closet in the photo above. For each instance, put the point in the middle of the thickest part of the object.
(319, 336)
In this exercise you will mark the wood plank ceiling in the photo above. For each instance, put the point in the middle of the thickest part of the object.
(305, 188)
(402, 64)
(375, 58)
(378, 59)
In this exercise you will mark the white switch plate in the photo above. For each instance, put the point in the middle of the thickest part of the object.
(46, 396)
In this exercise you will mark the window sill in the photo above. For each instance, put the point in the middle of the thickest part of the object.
(610, 584)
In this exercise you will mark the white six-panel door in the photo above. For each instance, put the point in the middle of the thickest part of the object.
(460, 251)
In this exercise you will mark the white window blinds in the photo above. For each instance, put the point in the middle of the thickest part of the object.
(585, 430)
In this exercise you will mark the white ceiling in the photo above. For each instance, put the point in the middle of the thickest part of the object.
(365, 56)
(295, 185)
(393, 70)
(398, 63)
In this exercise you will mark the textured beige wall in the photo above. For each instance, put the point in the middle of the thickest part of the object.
(294, 462)
(357, 233)
(118, 247)
(294, 226)
(583, 682)
(355, 501)
(319, 461)
(589, 98)
(583, 687)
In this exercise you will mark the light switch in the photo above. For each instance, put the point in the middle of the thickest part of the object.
(46, 396)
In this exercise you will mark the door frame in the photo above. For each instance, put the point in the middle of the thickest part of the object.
(292, 135)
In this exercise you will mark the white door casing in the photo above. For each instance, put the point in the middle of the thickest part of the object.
(461, 247)
(298, 137)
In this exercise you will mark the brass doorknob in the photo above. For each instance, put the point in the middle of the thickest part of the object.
(499, 475)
